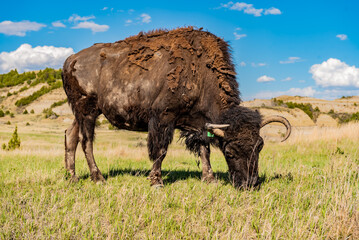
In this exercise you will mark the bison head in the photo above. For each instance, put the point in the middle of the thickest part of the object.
(241, 144)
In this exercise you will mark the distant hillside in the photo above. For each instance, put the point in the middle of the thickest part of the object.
(41, 93)
(305, 111)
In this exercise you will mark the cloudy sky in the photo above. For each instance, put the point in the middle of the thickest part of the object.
(307, 48)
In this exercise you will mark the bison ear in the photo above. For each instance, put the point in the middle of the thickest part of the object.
(216, 128)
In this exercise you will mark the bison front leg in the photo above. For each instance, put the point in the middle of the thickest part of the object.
(71, 142)
(159, 137)
(207, 173)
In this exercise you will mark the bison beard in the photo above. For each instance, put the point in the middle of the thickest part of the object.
(157, 82)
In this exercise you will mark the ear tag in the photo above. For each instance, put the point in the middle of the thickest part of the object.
(211, 135)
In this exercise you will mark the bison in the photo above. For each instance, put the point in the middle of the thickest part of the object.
(158, 82)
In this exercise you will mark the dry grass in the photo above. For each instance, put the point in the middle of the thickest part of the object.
(345, 131)
(309, 190)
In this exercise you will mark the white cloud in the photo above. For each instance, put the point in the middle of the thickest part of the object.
(245, 7)
(104, 8)
(265, 78)
(334, 72)
(145, 18)
(272, 11)
(19, 28)
(258, 64)
(76, 18)
(91, 25)
(249, 9)
(304, 92)
(27, 58)
(239, 36)
(286, 79)
(291, 60)
(58, 24)
(342, 36)
(242, 64)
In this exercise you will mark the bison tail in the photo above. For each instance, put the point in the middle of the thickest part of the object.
(71, 86)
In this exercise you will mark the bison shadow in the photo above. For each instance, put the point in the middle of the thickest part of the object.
(172, 176)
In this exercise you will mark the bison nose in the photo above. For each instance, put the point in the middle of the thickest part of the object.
(247, 184)
(251, 182)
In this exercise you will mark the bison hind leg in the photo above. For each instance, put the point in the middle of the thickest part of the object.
(86, 113)
(71, 142)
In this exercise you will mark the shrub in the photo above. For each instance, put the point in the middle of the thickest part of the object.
(354, 117)
(27, 124)
(23, 88)
(14, 141)
(278, 102)
(13, 78)
(12, 115)
(2, 114)
(32, 111)
(112, 127)
(50, 114)
(307, 108)
(48, 75)
(25, 112)
(59, 103)
(8, 123)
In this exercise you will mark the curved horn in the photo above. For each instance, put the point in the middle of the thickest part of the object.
(279, 119)
(213, 126)
(216, 128)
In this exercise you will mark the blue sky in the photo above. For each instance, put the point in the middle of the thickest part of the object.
(307, 48)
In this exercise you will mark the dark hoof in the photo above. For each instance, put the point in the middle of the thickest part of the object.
(156, 181)
(209, 179)
(97, 177)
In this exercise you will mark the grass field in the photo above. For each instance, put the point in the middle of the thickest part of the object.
(309, 191)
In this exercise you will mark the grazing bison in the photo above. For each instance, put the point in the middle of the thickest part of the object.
(157, 82)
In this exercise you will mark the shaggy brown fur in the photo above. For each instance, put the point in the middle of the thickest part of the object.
(156, 82)
(213, 50)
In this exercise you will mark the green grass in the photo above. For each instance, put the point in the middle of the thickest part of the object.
(309, 191)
